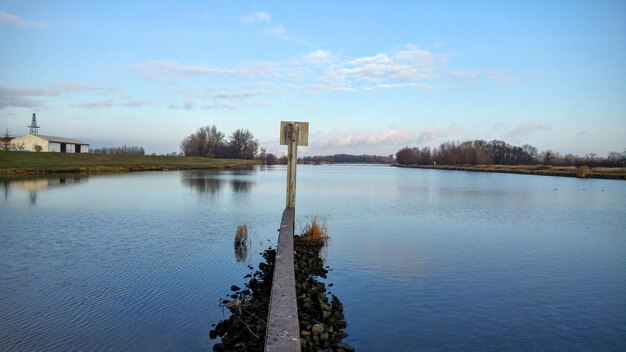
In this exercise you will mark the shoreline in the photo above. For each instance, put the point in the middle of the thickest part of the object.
(17, 165)
(541, 170)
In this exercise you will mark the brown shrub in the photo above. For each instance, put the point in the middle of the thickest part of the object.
(583, 171)
(315, 233)
(241, 236)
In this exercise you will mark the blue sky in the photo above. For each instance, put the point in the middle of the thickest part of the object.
(370, 77)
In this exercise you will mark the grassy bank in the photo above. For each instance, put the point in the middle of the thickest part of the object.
(618, 173)
(26, 164)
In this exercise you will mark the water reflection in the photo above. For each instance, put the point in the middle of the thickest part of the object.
(212, 182)
(241, 243)
(239, 186)
(33, 186)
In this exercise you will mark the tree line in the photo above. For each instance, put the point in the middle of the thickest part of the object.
(349, 158)
(123, 150)
(209, 142)
(480, 152)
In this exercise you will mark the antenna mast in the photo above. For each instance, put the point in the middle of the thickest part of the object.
(34, 129)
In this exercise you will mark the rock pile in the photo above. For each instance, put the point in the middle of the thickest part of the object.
(321, 322)
(244, 330)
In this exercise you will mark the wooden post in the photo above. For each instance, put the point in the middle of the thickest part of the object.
(292, 162)
(293, 134)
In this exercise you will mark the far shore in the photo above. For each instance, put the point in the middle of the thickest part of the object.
(22, 164)
(615, 173)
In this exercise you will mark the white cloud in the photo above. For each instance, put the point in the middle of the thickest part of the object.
(259, 17)
(277, 31)
(581, 134)
(134, 103)
(409, 67)
(412, 64)
(526, 128)
(350, 139)
(19, 22)
(317, 57)
(319, 71)
(432, 134)
(223, 98)
(463, 74)
(192, 105)
(24, 97)
(384, 86)
(105, 104)
(499, 76)
(7, 101)
(166, 70)
(102, 104)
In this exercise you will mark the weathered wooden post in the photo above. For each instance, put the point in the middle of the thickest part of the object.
(293, 134)
(283, 330)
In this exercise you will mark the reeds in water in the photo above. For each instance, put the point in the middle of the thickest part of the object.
(315, 233)
(241, 243)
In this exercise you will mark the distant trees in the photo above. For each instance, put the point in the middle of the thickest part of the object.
(349, 158)
(479, 152)
(208, 141)
(242, 145)
(5, 144)
(123, 150)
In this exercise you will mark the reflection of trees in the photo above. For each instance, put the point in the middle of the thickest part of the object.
(209, 182)
(240, 186)
(204, 184)
(5, 186)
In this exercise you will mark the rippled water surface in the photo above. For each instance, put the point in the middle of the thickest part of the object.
(422, 259)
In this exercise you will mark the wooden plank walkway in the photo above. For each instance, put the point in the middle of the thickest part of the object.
(283, 329)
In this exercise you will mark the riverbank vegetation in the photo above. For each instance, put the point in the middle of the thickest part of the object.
(499, 156)
(25, 164)
(208, 141)
(479, 152)
(348, 158)
(123, 150)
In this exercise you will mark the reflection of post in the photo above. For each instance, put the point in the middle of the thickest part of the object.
(292, 161)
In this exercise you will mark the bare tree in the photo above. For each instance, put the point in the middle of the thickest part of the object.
(206, 141)
(5, 146)
(242, 144)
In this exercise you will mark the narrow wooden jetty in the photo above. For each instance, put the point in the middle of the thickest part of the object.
(283, 330)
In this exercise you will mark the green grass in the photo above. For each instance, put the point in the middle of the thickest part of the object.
(25, 163)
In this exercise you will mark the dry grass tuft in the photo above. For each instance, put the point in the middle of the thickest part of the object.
(241, 243)
(583, 171)
(315, 233)
(241, 236)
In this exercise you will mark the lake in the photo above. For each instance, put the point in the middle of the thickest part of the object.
(423, 260)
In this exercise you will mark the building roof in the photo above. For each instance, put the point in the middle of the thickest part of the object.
(60, 139)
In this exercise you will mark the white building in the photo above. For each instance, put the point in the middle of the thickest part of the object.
(31, 142)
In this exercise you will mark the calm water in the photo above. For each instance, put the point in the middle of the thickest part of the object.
(424, 260)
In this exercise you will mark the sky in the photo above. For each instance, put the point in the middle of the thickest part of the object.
(370, 77)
